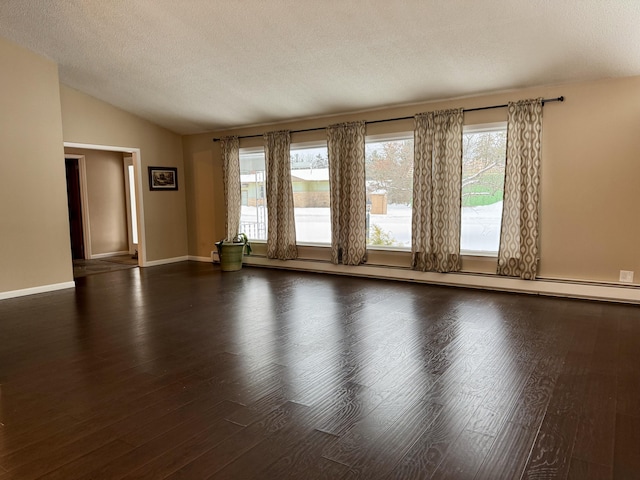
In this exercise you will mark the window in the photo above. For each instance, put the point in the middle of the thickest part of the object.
(253, 217)
(389, 177)
(483, 164)
(389, 189)
(311, 197)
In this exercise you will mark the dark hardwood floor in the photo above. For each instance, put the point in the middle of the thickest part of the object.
(182, 371)
(83, 268)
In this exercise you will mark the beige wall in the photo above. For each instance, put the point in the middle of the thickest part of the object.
(591, 165)
(34, 228)
(205, 194)
(88, 120)
(591, 146)
(107, 206)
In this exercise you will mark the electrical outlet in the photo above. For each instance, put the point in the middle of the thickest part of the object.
(626, 276)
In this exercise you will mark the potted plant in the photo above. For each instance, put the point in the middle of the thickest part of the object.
(231, 253)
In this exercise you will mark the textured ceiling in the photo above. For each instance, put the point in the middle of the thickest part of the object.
(200, 65)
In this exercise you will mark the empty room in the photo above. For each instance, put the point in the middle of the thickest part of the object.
(319, 239)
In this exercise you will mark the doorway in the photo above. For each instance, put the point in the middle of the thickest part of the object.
(132, 215)
(134, 207)
(76, 233)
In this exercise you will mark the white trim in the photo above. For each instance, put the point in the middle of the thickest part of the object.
(301, 244)
(165, 261)
(388, 248)
(126, 163)
(84, 202)
(84, 205)
(584, 290)
(477, 253)
(579, 281)
(35, 290)
(109, 254)
(193, 258)
(137, 167)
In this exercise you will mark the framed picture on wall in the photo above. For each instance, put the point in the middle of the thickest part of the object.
(163, 178)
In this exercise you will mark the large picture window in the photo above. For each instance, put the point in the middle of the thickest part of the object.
(253, 216)
(310, 182)
(389, 175)
(483, 165)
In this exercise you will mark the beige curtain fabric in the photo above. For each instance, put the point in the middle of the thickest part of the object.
(437, 183)
(345, 143)
(518, 255)
(231, 178)
(281, 225)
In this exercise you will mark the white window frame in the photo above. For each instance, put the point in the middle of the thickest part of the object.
(304, 146)
(253, 151)
(481, 128)
(389, 137)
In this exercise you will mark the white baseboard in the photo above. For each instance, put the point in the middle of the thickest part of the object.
(193, 258)
(165, 261)
(558, 288)
(97, 256)
(34, 290)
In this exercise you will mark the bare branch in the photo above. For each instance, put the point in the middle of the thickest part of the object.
(471, 179)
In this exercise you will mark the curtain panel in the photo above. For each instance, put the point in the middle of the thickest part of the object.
(437, 183)
(518, 254)
(281, 226)
(232, 190)
(345, 144)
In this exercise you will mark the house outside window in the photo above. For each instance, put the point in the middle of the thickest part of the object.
(389, 177)
(311, 196)
(483, 168)
(389, 190)
(253, 216)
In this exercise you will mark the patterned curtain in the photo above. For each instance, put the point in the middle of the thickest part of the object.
(437, 183)
(518, 255)
(345, 143)
(281, 226)
(231, 178)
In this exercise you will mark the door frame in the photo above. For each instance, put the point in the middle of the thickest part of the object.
(84, 202)
(128, 161)
(137, 172)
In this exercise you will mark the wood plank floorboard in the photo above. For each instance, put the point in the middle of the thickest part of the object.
(305, 460)
(209, 422)
(627, 447)
(595, 438)
(239, 444)
(182, 371)
(584, 470)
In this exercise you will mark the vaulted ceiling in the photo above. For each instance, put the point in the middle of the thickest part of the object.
(201, 65)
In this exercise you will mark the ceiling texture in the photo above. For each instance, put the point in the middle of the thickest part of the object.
(200, 65)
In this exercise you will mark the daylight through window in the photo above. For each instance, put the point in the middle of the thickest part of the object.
(310, 182)
(389, 190)
(389, 177)
(253, 217)
(483, 164)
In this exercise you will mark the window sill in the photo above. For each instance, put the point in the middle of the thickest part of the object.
(312, 244)
(463, 253)
(388, 249)
(477, 253)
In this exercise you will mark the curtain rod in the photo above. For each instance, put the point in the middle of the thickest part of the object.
(491, 107)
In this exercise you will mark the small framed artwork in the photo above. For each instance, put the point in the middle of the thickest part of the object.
(163, 178)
